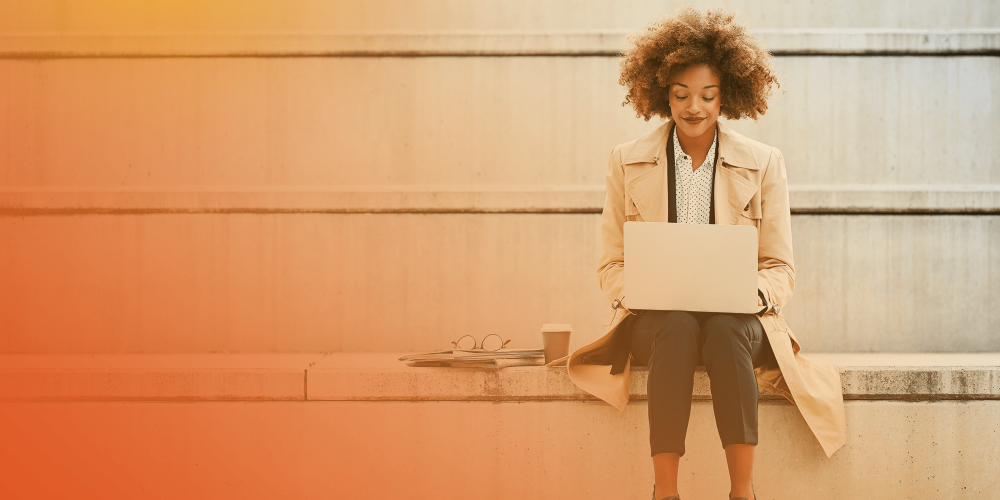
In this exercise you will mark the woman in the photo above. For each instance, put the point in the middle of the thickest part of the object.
(689, 69)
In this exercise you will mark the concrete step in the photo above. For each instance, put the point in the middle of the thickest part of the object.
(830, 199)
(302, 282)
(523, 432)
(315, 15)
(346, 121)
(780, 42)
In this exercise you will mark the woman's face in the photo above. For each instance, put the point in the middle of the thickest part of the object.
(695, 100)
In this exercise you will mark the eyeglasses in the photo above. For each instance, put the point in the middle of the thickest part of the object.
(491, 342)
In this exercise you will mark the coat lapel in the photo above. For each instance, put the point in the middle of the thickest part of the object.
(645, 167)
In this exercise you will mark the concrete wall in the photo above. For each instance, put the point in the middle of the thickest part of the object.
(125, 131)
(458, 449)
(478, 121)
(412, 282)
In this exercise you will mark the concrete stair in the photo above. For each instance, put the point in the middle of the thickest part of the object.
(302, 161)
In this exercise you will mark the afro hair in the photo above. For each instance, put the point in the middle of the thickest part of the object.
(674, 43)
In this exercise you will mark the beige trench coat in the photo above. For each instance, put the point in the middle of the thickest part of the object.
(751, 188)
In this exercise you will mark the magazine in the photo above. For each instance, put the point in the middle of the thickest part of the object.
(478, 358)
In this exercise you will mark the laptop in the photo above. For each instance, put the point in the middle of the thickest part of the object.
(691, 267)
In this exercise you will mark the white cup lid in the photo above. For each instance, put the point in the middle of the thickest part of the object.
(556, 327)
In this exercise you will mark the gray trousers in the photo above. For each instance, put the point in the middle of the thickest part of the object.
(729, 346)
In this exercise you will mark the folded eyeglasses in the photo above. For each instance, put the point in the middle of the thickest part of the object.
(491, 342)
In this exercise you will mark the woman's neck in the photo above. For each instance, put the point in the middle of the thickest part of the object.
(696, 147)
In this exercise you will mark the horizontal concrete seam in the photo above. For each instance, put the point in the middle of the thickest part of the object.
(414, 55)
(507, 399)
(278, 211)
(762, 397)
(894, 211)
(804, 199)
(922, 397)
(579, 211)
(587, 43)
(150, 399)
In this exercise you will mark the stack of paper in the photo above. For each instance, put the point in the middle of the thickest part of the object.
(478, 358)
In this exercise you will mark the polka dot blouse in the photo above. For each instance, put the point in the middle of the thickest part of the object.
(694, 188)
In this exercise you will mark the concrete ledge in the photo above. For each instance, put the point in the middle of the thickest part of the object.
(381, 377)
(781, 42)
(836, 199)
(868, 376)
(388, 413)
(162, 377)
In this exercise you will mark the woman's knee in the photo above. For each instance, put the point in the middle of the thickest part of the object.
(725, 331)
(670, 326)
(668, 321)
(666, 331)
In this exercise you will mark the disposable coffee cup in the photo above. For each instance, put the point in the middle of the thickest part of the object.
(555, 340)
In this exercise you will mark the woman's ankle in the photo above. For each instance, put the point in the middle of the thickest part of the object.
(741, 493)
(661, 493)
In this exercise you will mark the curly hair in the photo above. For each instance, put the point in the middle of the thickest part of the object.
(667, 47)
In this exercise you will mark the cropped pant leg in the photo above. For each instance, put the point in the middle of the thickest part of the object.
(671, 344)
(667, 342)
(732, 345)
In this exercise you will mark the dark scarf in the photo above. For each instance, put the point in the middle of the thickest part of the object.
(672, 182)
